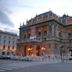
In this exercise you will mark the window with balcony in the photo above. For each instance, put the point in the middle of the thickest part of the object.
(40, 29)
(45, 30)
(39, 33)
(45, 33)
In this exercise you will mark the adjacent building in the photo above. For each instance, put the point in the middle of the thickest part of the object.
(7, 43)
(46, 35)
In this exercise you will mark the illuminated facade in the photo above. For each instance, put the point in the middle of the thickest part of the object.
(7, 43)
(46, 34)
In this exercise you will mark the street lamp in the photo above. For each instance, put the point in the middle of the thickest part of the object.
(29, 51)
(43, 50)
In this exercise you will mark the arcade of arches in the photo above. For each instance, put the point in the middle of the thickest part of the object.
(34, 49)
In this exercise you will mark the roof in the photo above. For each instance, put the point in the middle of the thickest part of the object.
(7, 33)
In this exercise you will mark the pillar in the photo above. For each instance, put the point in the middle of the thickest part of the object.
(53, 31)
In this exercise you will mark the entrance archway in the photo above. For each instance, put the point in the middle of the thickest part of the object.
(30, 50)
(38, 50)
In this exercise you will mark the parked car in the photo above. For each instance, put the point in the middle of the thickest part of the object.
(5, 57)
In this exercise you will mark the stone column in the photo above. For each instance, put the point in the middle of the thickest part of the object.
(42, 34)
(34, 50)
(52, 48)
(53, 30)
(47, 31)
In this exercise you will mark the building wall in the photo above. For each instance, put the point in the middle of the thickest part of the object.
(50, 34)
(7, 43)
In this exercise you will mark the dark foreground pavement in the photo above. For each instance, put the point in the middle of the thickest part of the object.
(58, 67)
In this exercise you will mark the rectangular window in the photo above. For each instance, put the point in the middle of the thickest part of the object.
(4, 41)
(4, 37)
(8, 47)
(3, 47)
(45, 33)
(60, 34)
(9, 37)
(0, 36)
(13, 42)
(9, 42)
(13, 47)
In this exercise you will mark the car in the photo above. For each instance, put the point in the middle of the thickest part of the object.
(4, 57)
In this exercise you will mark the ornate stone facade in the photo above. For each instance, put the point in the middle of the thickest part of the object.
(46, 34)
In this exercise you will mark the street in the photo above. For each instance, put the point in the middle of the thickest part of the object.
(21, 66)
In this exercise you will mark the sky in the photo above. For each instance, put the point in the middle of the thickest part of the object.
(14, 12)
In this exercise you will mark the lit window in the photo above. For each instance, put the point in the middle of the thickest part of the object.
(8, 47)
(45, 28)
(39, 29)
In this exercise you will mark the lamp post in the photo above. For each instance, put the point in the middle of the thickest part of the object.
(43, 53)
(43, 50)
(29, 51)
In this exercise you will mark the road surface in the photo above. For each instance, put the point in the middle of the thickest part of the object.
(20, 66)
